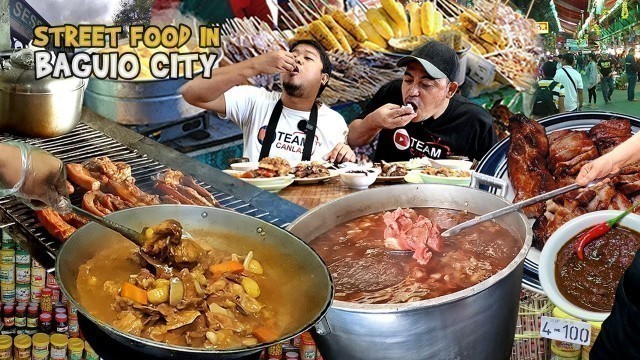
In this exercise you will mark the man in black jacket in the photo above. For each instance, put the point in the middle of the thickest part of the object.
(631, 70)
(420, 115)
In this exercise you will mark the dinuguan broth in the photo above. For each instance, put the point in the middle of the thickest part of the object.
(364, 271)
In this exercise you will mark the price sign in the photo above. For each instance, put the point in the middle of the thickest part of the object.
(543, 27)
(576, 332)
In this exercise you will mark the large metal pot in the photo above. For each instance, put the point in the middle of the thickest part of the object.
(138, 102)
(308, 280)
(476, 323)
(46, 107)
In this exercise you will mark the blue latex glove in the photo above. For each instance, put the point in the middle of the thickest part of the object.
(33, 175)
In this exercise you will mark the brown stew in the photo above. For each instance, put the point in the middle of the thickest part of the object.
(591, 284)
(364, 271)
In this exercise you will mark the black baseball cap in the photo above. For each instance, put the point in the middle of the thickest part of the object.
(438, 59)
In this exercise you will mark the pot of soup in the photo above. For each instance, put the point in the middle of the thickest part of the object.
(223, 292)
(451, 298)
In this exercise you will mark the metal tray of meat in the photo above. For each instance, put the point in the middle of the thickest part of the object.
(494, 163)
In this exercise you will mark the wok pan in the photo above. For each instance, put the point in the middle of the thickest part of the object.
(307, 278)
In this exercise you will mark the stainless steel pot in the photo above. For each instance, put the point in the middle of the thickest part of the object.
(310, 282)
(476, 323)
(37, 108)
(137, 102)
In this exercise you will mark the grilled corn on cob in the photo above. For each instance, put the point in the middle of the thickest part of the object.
(391, 7)
(427, 18)
(414, 16)
(379, 23)
(336, 30)
(350, 39)
(372, 34)
(352, 28)
(397, 32)
(373, 46)
(302, 33)
(324, 36)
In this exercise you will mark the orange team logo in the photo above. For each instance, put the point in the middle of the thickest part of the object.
(261, 134)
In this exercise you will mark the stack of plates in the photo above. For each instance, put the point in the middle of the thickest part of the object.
(273, 184)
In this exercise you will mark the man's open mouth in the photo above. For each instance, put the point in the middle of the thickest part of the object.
(413, 105)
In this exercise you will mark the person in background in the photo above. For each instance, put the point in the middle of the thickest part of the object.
(592, 79)
(293, 124)
(632, 73)
(33, 176)
(580, 62)
(558, 61)
(572, 82)
(217, 11)
(619, 336)
(548, 94)
(605, 66)
(421, 115)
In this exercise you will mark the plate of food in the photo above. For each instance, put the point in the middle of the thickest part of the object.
(407, 44)
(444, 175)
(270, 172)
(413, 177)
(390, 172)
(589, 134)
(312, 173)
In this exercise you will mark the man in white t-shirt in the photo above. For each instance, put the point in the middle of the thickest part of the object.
(572, 82)
(281, 119)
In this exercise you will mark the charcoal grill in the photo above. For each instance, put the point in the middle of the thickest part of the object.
(96, 136)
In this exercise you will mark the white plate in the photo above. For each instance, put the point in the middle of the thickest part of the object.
(245, 166)
(447, 180)
(317, 180)
(274, 188)
(260, 181)
(452, 164)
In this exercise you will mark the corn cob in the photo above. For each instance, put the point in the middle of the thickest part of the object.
(336, 30)
(350, 39)
(438, 22)
(404, 22)
(372, 34)
(379, 23)
(352, 28)
(397, 14)
(426, 17)
(414, 15)
(302, 33)
(324, 36)
(397, 32)
(373, 46)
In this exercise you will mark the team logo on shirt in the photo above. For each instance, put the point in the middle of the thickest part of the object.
(401, 139)
(293, 142)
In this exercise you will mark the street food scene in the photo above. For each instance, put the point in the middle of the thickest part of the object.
(320, 179)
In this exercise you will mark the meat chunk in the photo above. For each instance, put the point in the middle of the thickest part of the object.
(407, 231)
(568, 151)
(609, 134)
(527, 162)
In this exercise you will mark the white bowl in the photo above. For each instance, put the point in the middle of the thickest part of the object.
(452, 164)
(244, 166)
(359, 181)
(549, 253)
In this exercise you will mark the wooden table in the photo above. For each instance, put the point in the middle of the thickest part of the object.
(312, 195)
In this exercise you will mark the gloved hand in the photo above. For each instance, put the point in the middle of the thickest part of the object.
(33, 175)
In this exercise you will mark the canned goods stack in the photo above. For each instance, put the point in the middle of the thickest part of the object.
(45, 347)
(300, 348)
(8, 270)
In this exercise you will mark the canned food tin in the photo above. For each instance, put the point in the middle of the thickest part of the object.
(35, 264)
(23, 274)
(22, 257)
(23, 293)
(8, 242)
(55, 293)
(38, 276)
(35, 293)
(8, 294)
(51, 280)
(7, 274)
(7, 256)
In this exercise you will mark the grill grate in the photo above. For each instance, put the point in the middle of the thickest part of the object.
(83, 144)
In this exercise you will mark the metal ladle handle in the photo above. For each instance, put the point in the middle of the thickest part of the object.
(128, 233)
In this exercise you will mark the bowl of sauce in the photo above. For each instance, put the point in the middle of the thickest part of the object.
(586, 288)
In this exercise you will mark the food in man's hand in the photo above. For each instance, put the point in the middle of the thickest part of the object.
(310, 170)
(445, 172)
(389, 170)
(268, 168)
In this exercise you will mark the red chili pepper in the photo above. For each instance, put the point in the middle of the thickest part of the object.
(599, 230)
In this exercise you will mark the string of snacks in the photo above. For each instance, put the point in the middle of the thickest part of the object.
(355, 77)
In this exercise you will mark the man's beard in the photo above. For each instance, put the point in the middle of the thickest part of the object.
(295, 90)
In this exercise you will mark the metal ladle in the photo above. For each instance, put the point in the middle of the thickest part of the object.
(136, 237)
(505, 210)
